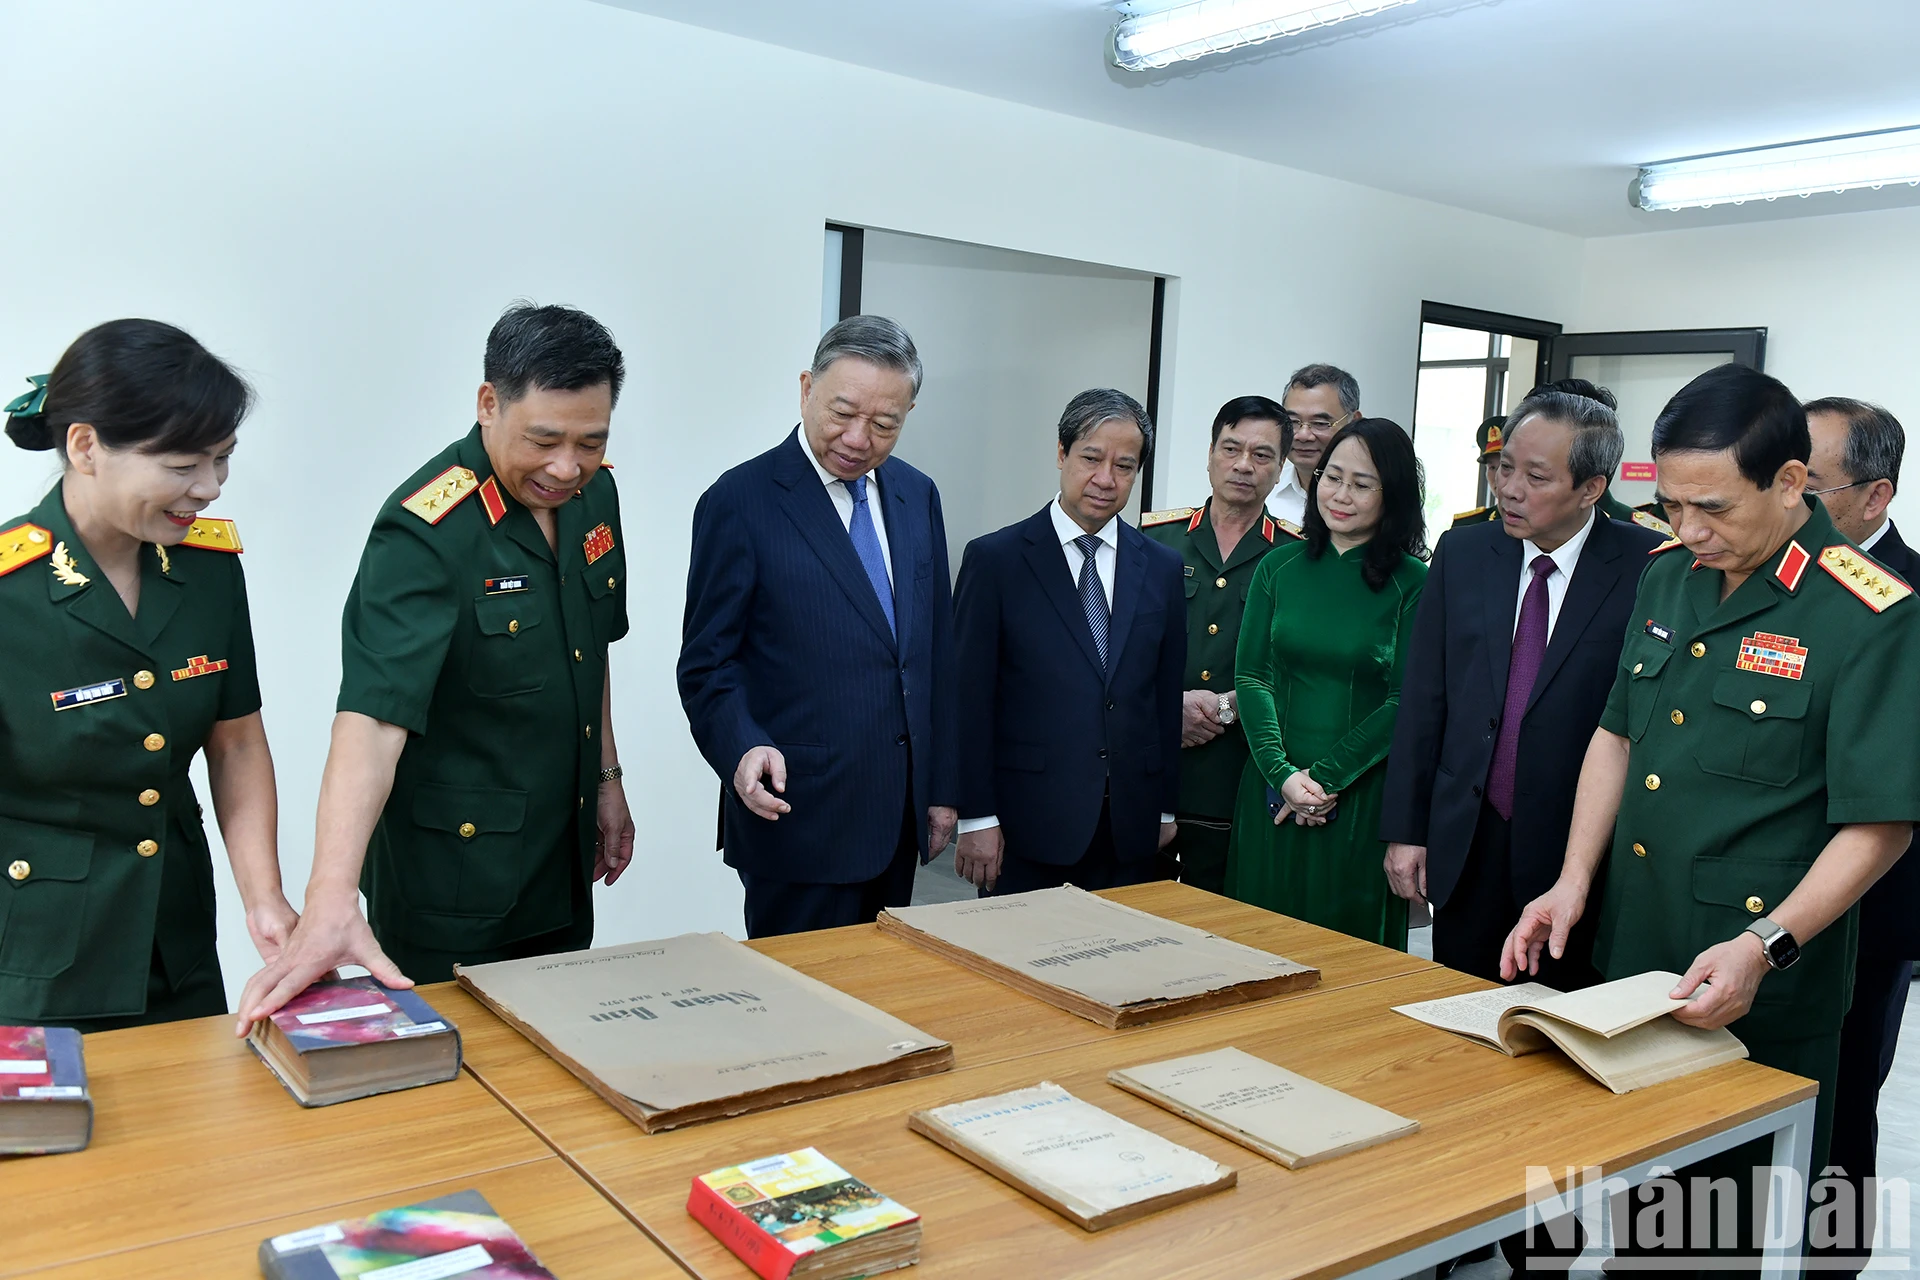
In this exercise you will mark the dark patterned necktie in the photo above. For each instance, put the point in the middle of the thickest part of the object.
(1093, 594)
(1529, 647)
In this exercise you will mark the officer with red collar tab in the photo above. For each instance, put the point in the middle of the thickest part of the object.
(474, 724)
(1755, 769)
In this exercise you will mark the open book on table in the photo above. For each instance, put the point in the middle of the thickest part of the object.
(1620, 1033)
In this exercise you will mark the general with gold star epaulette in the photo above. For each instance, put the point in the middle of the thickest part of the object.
(210, 534)
(22, 545)
(1856, 571)
(1668, 545)
(1654, 523)
(1478, 513)
(442, 494)
(1152, 518)
(1289, 528)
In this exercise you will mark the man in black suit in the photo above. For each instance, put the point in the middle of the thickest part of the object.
(1514, 650)
(1855, 468)
(1070, 640)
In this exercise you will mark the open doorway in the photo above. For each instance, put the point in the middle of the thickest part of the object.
(1474, 365)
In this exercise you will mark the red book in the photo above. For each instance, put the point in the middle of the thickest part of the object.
(799, 1216)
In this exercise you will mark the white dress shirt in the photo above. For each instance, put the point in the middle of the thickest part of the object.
(842, 495)
(1288, 501)
(1105, 557)
(1876, 535)
(1564, 560)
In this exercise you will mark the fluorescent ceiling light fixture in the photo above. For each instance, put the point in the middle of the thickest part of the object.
(1147, 39)
(1792, 169)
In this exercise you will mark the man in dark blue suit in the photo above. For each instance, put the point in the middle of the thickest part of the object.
(1514, 650)
(1070, 641)
(1855, 468)
(814, 652)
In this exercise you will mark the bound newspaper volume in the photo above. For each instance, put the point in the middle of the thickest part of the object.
(1620, 1033)
(1108, 963)
(697, 1027)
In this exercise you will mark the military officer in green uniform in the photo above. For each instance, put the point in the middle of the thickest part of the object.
(123, 615)
(1221, 543)
(1755, 770)
(473, 788)
(1486, 438)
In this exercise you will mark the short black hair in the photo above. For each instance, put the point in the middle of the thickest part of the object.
(1086, 411)
(1260, 408)
(551, 348)
(1403, 519)
(1732, 406)
(141, 384)
(1579, 387)
(1345, 386)
(1876, 442)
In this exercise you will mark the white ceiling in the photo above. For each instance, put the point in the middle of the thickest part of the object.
(1537, 110)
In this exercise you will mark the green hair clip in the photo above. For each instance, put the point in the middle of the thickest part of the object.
(33, 403)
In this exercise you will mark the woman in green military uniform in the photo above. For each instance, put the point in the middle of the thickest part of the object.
(123, 615)
(1322, 648)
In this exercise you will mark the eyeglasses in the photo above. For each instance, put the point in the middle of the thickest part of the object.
(1358, 488)
(1838, 487)
(1319, 425)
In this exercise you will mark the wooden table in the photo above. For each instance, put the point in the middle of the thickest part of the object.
(198, 1154)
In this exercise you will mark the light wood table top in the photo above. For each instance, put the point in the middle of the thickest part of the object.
(570, 1227)
(1484, 1118)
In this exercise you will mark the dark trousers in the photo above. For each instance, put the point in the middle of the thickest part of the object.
(200, 992)
(1868, 1039)
(776, 907)
(1472, 925)
(430, 964)
(1199, 851)
(1098, 868)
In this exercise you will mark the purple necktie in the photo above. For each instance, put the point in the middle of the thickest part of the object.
(1529, 647)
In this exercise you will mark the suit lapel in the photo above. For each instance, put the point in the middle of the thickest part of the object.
(1130, 569)
(159, 598)
(1593, 579)
(807, 505)
(1048, 560)
(902, 546)
(1502, 597)
(94, 601)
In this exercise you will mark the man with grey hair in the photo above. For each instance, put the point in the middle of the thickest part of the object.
(1319, 400)
(1071, 643)
(815, 648)
(1854, 469)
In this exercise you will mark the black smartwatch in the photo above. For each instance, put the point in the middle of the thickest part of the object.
(1776, 943)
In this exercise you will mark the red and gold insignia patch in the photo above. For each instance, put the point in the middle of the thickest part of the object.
(209, 534)
(490, 499)
(1792, 565)
(1772, 655)
(1266, 527)
(200, 667)
(598, 543)
(23, 544)
(443, 493)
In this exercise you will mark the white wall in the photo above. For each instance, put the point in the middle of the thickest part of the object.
(341, 196)
(1023, 334)
(1837, 294)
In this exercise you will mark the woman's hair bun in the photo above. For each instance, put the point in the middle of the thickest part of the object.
(33, 432)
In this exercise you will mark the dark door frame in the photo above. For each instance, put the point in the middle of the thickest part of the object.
(1747, 346)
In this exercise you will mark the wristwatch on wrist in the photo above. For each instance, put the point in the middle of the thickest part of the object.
(1776, 943)
(1226, 708)
(612, 773)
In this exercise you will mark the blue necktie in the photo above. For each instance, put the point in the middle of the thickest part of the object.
(866, 545)
(1093, 595)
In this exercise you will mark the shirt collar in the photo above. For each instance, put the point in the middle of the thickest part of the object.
(1067, 530)
(827, 478)
(1289, 478)
(1866, 543)
(1567, 555)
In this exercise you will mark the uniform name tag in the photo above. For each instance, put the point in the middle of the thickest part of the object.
(500, 586)
(1772, 655)
(1658, 632)
(87, 694)
(200, 667)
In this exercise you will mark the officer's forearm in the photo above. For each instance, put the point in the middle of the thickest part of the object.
(1857, 856)
(609, 753)
(1596, 803)
(245, 804)
(353, 791)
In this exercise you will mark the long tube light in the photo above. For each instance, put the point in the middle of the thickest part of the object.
(1792, 169)
(1147, 41)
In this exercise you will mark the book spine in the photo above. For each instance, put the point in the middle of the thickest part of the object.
(732, 1228)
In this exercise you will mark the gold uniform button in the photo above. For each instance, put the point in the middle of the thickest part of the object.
(513, 627)
(1213, 628)
(1756, 906)
(1219, 582)
(149, 797)
(1637, 666)
(147, 848)
(155, 742)
(589, 731)
(466, 831)
(1758, 707)
(1699, 650)
(19, 870)
(143, 679)
(1653, 782)
(1678, 717)
(576, 655)
(1206, 675)
(610, 582)
(1639, 850)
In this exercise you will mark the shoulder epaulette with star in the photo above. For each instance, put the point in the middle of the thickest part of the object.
(1152, 518)
(1856, 571)
(1289, 528)
(22, 545)
(213, 535)
(442, 494)
(1474, 514)
(1654, 523)
(1668, 545)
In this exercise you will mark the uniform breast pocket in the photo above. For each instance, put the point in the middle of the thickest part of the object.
(1646, 661)
(1755, 728)
(605, 577)
(43, 897)
(505, 652)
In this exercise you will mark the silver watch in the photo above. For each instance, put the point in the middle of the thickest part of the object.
(1226, 708)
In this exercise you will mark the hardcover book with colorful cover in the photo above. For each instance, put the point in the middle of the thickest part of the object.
(351, 1038)
(44, 1104)
(456, 1235)
(800, 1216)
